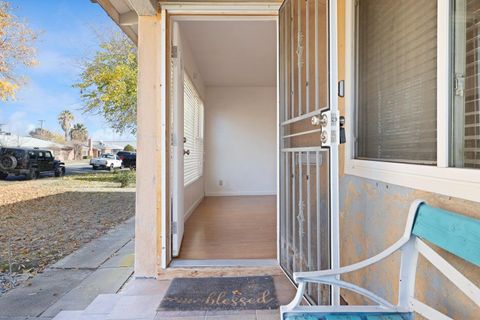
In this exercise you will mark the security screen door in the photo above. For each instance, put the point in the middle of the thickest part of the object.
(308, 141)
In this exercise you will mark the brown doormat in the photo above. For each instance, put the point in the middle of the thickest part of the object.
(229, 293)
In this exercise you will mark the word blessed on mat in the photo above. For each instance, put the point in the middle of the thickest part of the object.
(225, 298)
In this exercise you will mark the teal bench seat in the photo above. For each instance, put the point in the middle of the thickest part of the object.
(453, 232)
(351, 316)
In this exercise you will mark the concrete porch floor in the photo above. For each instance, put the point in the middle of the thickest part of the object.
(95, 283)
(140, 298)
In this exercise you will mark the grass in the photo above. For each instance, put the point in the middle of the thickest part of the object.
(125, 178)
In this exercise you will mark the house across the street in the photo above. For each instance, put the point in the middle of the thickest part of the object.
(60, 151)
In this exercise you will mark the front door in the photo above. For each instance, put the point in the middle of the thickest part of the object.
(308, 141)
(177, 141)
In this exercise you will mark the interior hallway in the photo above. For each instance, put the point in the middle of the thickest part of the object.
(233, 227)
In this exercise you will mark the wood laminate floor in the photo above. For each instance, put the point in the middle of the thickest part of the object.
(242, 227)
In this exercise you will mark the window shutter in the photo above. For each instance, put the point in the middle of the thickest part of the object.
(472, 92)
(193, 132)
(396, 80)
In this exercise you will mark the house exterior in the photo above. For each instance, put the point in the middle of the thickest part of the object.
(409, 135)
(60, 151)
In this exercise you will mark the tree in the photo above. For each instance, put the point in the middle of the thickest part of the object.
(65, 119)
(79, 132)
(108, 82)
(78, 136)
(45, 134)
(16, 50)
(129, 147)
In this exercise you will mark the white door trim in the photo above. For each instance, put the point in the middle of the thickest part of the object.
(196, 12)
(165, 170)
(222, 8)
(334, 170)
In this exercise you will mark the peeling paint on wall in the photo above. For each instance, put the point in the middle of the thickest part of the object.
(372, 217)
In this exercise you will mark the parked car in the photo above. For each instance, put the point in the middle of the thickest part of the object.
(106, 161)
(29, 162)
(129, 159)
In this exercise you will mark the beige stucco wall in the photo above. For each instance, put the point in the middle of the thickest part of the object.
(372, 217)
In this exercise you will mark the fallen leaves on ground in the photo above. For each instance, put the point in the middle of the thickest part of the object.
(43, 221)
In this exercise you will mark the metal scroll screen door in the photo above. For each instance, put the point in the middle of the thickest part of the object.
(309, 150)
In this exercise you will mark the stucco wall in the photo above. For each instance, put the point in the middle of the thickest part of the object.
(373, 216)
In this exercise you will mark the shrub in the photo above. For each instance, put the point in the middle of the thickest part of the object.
(125, 178)
(129, 147)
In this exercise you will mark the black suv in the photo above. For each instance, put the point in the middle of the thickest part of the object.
(129, 159)
(28, 162)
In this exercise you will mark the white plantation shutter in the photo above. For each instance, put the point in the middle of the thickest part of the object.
(193, 132)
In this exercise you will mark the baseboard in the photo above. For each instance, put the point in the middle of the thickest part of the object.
(239, 193)
(192, 208)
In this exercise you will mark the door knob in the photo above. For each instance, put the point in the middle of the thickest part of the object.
(315, 121)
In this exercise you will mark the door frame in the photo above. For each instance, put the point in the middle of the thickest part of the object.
(201, 11)
(223, 10)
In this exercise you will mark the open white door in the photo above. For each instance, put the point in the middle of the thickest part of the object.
(309, 138)
(177, 141)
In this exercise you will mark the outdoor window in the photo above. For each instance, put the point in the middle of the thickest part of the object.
(412, 94)
(396, 81)
(193, 132)
(466, 78)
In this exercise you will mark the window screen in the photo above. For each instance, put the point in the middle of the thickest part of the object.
(466, 93)
(396, 80)
(193, 132)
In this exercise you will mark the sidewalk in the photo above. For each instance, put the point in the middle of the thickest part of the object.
(101, 267)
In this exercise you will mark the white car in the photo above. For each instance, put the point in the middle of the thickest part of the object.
(106, 161)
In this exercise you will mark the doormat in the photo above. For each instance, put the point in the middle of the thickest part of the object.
(230, 293)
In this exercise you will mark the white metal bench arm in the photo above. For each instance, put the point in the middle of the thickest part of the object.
(410, 245)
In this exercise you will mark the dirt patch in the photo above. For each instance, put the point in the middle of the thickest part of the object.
(43, 221)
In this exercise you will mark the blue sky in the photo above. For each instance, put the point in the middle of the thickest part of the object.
(67, 33)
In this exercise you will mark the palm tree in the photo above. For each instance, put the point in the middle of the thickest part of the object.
(65, 119)
(79, 133)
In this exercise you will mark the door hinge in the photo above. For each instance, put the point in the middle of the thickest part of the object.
(174, 51)
(174, 227)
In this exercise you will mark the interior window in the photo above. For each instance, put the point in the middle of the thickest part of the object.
(192, 132)
(31, 155)
(466, 81)
(396, 43)
(48, 154)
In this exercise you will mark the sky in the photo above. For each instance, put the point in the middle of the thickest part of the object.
(67, 34)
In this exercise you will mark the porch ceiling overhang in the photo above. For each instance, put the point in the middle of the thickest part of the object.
(125, 12)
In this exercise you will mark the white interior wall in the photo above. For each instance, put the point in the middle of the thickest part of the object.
(240, 141)
(195, 191)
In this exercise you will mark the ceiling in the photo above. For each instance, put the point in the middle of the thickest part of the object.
(233, 53)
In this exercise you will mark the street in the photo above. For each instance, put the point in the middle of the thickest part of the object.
(71, 168)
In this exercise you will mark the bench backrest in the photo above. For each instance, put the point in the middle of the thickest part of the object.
(455, 233)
